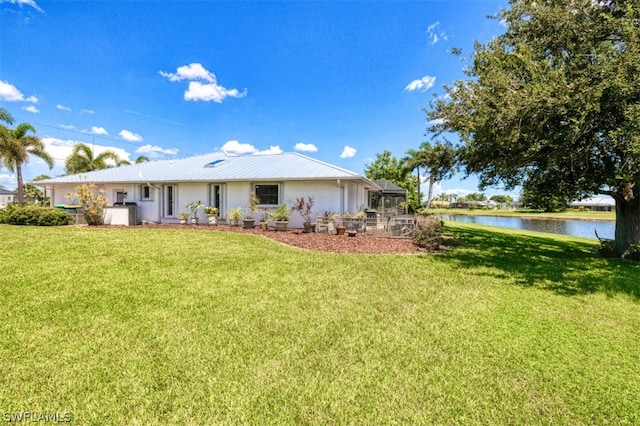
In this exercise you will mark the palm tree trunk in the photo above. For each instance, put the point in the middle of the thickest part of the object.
(20, 184)
(430, 196)
(419, 197)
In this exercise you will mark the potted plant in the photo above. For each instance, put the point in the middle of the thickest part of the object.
(249, 220)
(235, 216)
(183, 217)
(212, 214)
(194, 207)
(281, 216)
(305, 209)
(338, 224)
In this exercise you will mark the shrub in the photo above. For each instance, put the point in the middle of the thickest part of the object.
(428, 234)
(93, 202)
(35, 216)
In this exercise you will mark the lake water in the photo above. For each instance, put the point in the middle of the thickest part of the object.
(573, 227)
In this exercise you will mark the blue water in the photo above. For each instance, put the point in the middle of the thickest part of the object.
(573, 227)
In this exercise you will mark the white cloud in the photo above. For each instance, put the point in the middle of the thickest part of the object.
(305, 147)
(63, 108)
(32, 99)
(32, 109)
(9, 181)
(203, 84)
(9, 92)
(235, 147)
(67, 126)
(424, 84)
(98, 130)
(31, 3)
(434, 35)
(190, 72)
(435, 122)
(348, 152)
(210, 92)
(154, 151)
(130, 136)
(87, 111)
(272, 150)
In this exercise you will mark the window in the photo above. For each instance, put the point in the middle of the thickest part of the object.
(146, 193)
(121, 196)
(169, 204)
(268, 194)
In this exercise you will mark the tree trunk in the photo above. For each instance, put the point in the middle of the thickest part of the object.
(419, 197)
(430, 196)
(20, 184)
(627, 224)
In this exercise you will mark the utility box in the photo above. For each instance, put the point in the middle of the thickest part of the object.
(124, 214)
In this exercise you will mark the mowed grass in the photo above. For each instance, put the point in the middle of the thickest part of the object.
(152, 326)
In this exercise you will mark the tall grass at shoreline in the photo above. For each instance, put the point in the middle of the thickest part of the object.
(178, 327)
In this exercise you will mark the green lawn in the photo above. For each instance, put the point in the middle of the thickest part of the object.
(148, 326)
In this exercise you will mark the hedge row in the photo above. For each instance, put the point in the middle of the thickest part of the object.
(34, 216)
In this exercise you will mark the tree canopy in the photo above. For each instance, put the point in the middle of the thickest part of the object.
(82, 159)
(554, 104)
(17, 145)
(437, 159)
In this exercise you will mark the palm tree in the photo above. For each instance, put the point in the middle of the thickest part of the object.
(412, 161)
(139, 159)
(82, 160)
(16, 145)
(438, 161)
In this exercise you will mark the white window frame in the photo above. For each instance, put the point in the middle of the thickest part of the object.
(150, 197)
(280, 187)
(169, 210)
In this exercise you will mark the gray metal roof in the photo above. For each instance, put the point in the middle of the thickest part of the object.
(217, 166)
(389, 187)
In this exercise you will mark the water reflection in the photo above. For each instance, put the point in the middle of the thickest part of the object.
(573, 227)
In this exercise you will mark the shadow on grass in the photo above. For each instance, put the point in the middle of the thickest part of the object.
(564, 267)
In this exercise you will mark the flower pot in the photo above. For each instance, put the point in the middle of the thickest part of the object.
(212, 219)
(182, 221)
(309, 227)
(340, 230)
(234, 222)
(248, 223)
(194, 220)
(281, 225)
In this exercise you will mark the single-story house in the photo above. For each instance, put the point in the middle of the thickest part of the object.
(7, 197)
(601, 204)
(161, 189)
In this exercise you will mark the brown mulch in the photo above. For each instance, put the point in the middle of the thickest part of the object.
(319, 242)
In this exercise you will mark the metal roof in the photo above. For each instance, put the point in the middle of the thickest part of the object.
(217, 166)
(389, 187)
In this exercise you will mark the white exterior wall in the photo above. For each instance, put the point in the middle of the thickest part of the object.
(6, 199)
(332, 196)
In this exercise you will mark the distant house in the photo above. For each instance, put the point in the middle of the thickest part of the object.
(6, 197)
(161, 189)
(600, 204)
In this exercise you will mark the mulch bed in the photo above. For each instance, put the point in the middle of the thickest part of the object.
(311, 241)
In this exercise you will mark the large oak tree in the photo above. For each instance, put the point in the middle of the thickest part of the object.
(554, 103)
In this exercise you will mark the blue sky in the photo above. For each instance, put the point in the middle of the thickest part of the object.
(338, 81)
